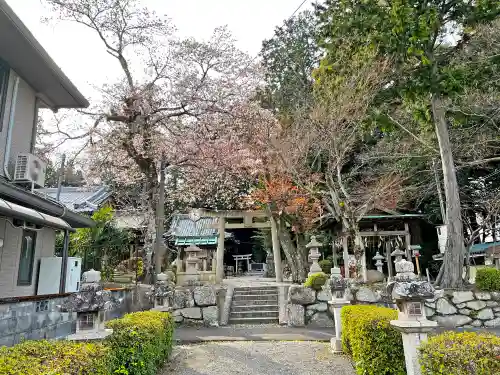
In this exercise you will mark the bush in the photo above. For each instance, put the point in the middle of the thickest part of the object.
(139, 345)
(488, 279)
(375, 346)
(56, 357)
(326, 265)
(141, 342)
(316, 281)
(466, 353)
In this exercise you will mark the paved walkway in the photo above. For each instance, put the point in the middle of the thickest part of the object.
(257, 358)
(252, 333)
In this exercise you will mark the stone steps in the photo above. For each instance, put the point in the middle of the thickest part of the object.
(256, 297)
(243, 308)
(254, 302)
(257, 305)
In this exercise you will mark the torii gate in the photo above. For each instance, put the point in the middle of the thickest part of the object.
(242, 220)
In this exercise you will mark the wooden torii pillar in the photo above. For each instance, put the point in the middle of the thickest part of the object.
(244, 220)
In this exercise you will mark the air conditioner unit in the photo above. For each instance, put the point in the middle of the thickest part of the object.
(30, 169)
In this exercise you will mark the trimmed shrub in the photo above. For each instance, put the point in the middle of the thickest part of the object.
(326, 265)
(375, 346)
(56, 357)
(465, 353)
(488, 279)
(141, 342)
(316, 281)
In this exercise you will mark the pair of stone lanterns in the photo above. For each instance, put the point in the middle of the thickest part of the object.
(409, 293)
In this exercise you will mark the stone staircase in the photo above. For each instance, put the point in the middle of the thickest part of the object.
(254, 305)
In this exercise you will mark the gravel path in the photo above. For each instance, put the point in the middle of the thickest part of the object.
(257, 358)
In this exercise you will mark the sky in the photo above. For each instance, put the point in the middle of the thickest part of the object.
(83, 59)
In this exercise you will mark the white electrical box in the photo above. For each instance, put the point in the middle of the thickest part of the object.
(49, 276)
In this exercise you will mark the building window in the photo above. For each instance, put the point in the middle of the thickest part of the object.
(4, 83)
(27, 259)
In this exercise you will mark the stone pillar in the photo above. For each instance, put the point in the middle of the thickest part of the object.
(410, 295)
(314, 255)
(276, 250)
(337, 287)
(219, 273)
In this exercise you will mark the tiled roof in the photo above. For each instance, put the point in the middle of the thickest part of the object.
(200, 232)
(79, 199)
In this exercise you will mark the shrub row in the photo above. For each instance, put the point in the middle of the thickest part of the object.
(488, 279)
(466, 353)
(316, 281)
(375, 346)
(139, 345)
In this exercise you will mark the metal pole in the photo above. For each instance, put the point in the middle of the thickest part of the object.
(60, 177)
(64, 263)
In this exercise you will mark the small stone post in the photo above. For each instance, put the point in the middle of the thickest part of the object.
(337, 286)
(409, 294)
(379, 264)
(314, 255)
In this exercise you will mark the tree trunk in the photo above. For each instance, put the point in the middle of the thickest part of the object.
(293, 254)
(454, 251)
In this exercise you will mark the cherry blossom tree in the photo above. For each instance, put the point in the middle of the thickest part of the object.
(169, 89)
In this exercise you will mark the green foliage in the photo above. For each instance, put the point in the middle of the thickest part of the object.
(316, 281)
(488, 279)
(289, 58)
(104, 239)
(466, 353)
(375, 346)
(139, 345)
(141, 342)
(326, 265)
(56, 357)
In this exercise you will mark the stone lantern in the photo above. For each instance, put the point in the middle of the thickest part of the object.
(163, 292)
(410, 294)
(337, 286)
(378, 262)
(314, 255)
(192, 259)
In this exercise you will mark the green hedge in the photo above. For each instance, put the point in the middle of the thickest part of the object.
(326, 265)
(488, 279)
(316, 281)
(375, 346)
(466, 353)
(56, 358)
(140, 344)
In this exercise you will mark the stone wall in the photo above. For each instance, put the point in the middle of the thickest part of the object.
(306, 307)
(35, 320)
(368, 294)
(466, 309)
(198, 306)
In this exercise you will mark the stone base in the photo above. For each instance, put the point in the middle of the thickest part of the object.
(336, 345)
(90, 335)
(185, 279)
